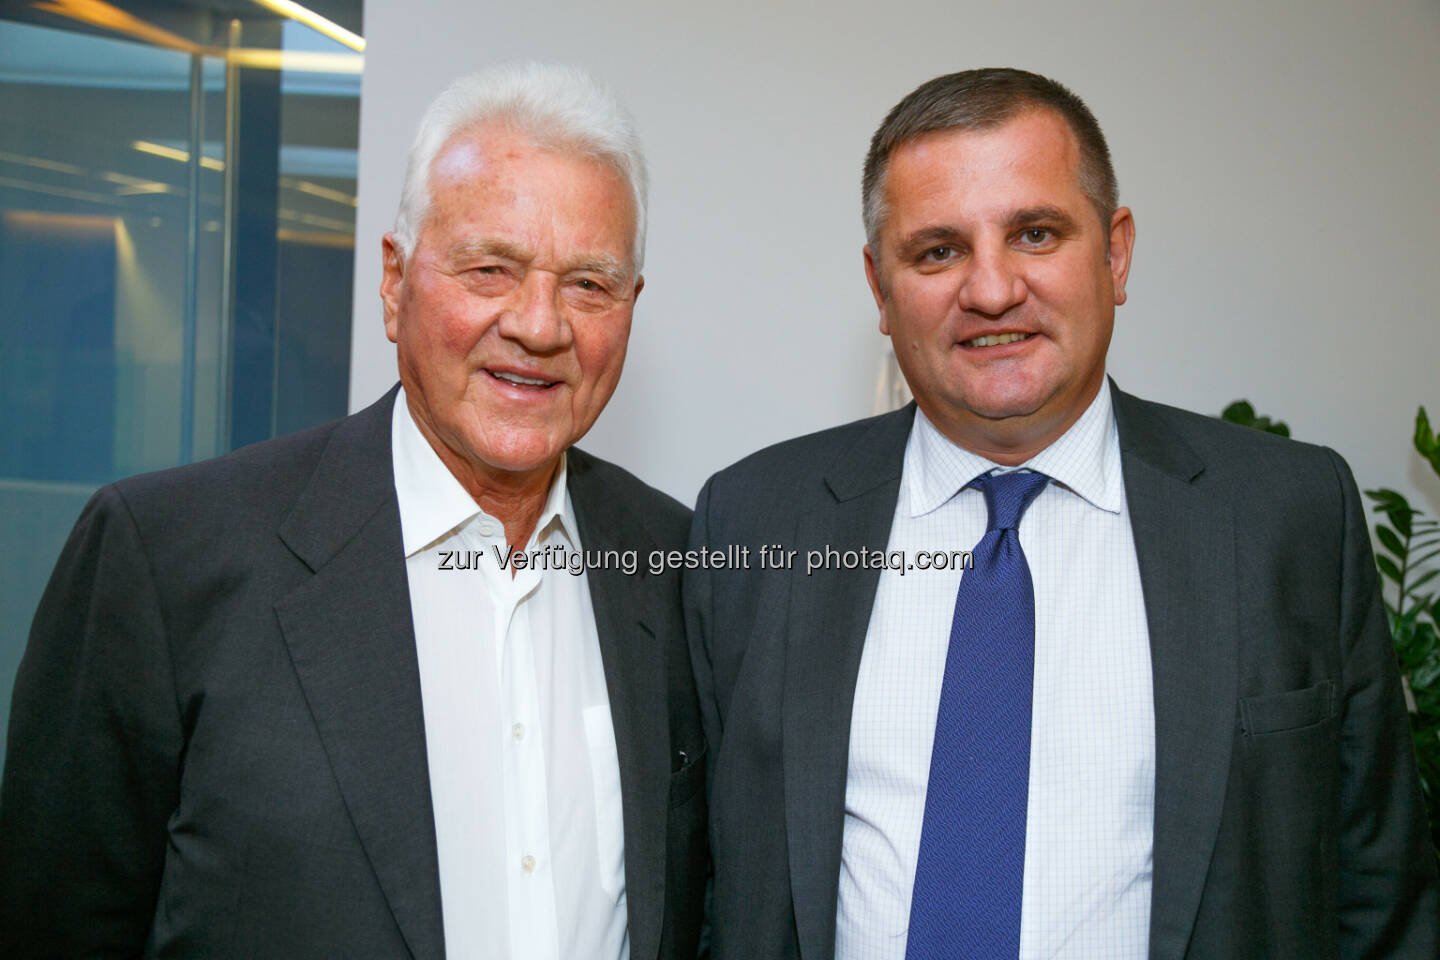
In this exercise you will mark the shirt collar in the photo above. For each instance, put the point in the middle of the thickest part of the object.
(433, 504)
(1085, 459)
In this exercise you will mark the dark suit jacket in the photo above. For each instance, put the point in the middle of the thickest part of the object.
(1288, 820)
(216, 743)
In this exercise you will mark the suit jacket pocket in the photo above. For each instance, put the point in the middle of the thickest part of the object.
(685, 782)
(1291, 710)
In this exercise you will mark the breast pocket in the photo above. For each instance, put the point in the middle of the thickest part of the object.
(1292, 710)
(687, 781)
(1288, 762)
(609, 811)
(1285, 798)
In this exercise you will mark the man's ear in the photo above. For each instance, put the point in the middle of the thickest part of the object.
(1122, 246)
(392, 278)
(639, 285)
(872, 277)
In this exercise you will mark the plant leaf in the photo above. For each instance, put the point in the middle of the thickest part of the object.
(1406, 622)
(1390, 540)
(1424, 436)
(1401, 517)
(1423, 579)
(1396, 508)
(1420, 562)
(1278, 427)
(1242, 413)
(1239, 412)
(1425, 442)
(1386, 495)
(1387, 567)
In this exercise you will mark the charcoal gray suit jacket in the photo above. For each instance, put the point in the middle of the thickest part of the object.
(216, 744)
(1288, 819)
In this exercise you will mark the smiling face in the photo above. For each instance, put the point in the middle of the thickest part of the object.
(994, 283)
(511, 315)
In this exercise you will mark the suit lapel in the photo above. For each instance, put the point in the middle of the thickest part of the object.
(829, 615)
(351, 640)
(632, 620)
(1185, 544)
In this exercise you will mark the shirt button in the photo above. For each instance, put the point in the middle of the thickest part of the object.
(527, 863)
(518, 731)
(487, 528)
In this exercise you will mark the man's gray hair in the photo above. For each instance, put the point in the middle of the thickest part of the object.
(561, 108)
(978, 100)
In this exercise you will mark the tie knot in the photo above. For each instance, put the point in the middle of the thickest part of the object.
(1008, 494)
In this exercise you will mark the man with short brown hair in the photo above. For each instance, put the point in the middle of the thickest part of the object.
(1156, 715)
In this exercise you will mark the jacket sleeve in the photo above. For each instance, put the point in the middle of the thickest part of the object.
(92, 761)
(1389, 896)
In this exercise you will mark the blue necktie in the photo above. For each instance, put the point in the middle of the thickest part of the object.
(968, 880)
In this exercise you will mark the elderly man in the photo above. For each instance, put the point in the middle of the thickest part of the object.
(1156, 715)
(267, 711)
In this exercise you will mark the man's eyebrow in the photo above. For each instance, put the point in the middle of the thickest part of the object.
(488, 246)
(1030, 216)
(927, 236)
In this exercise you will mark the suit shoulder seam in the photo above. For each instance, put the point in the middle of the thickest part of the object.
(154, 583)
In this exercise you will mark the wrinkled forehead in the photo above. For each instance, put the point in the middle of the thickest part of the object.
(484, 149)
(501, 183)
(479, 153)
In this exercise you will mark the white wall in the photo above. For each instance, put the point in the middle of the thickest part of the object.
(1282, 160)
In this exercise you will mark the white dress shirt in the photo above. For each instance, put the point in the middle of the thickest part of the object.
(524, 775)
(1090, 814)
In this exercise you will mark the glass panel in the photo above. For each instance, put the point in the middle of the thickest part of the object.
(319, 130)
(92, 225)
(177, 199)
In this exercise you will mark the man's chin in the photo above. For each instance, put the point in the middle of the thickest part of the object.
(519, 452)
(997, 410)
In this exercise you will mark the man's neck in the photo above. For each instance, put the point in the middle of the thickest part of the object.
(514, 497)
(1014, 440)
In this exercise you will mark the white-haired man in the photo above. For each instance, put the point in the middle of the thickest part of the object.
(310, 700)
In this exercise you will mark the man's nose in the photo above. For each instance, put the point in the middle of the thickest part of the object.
(536, 318)
(993, 284)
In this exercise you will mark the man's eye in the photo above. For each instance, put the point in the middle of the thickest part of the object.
(590, 285)
(939, 254)
(1035, 235)
(491, 279)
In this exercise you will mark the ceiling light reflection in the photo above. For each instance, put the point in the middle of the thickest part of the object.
(313, 20)
(100, 14)
(171, 153)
